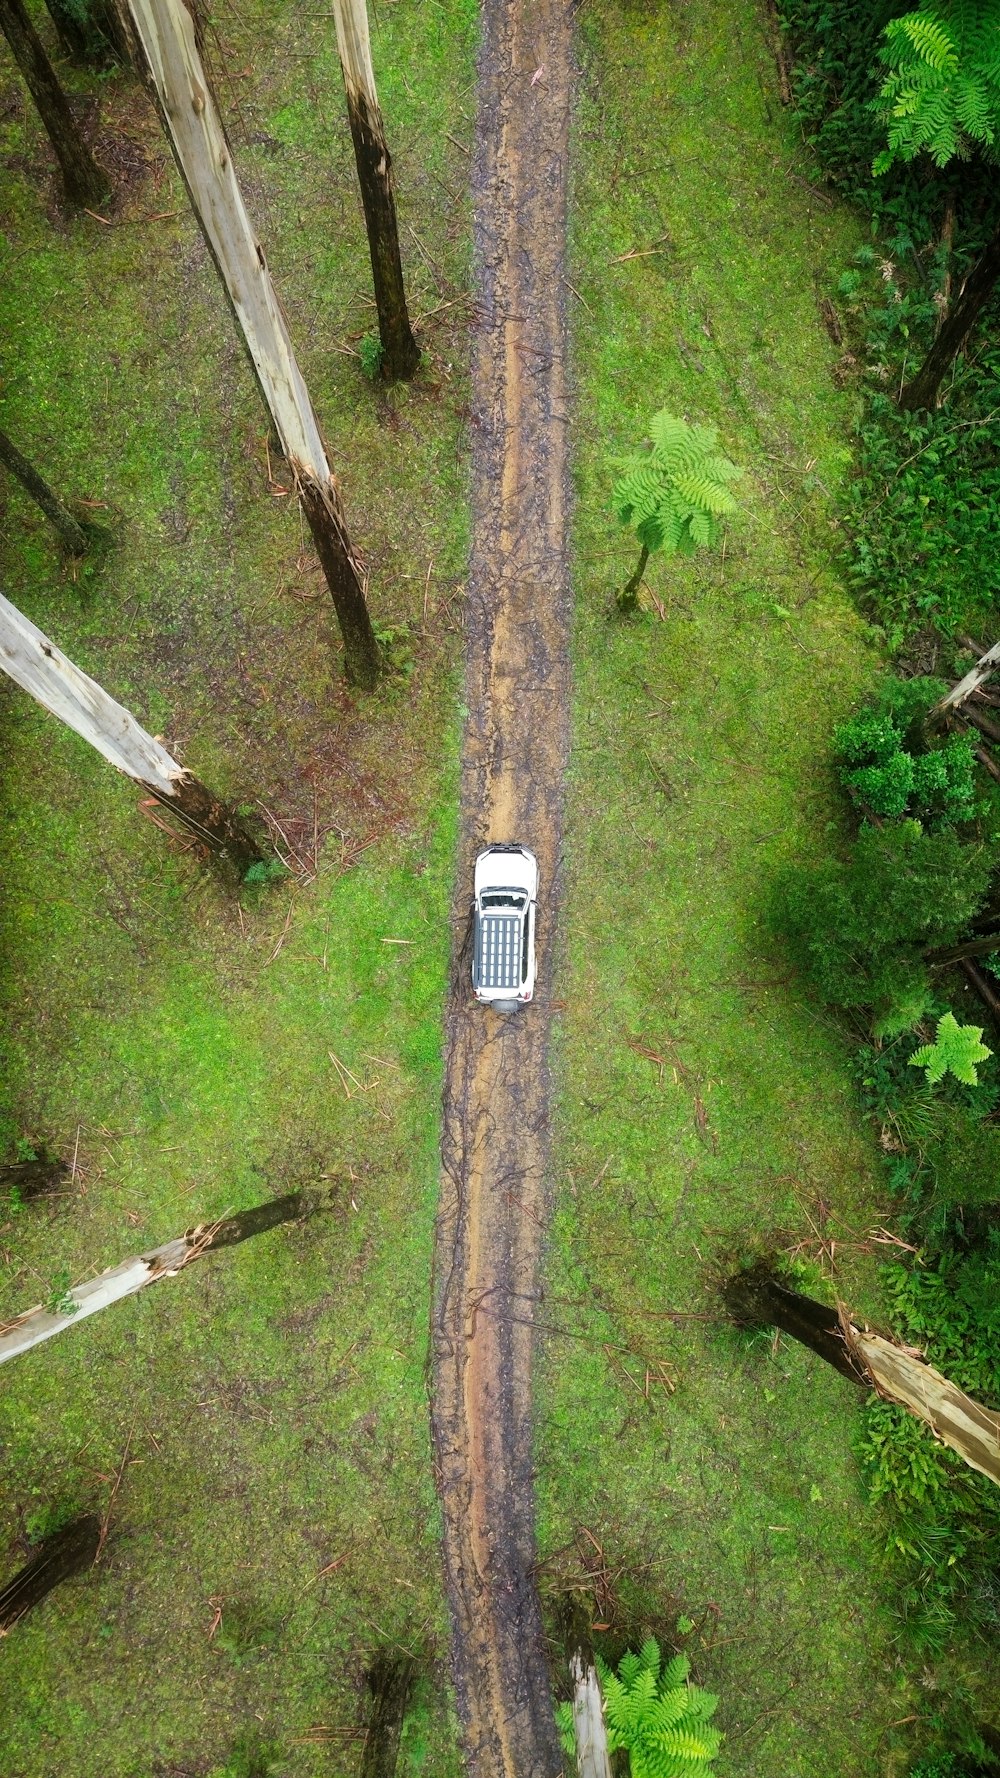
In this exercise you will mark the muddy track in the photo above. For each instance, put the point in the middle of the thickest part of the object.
(494, 1191)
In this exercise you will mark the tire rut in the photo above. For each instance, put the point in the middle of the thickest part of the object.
(494, 1191)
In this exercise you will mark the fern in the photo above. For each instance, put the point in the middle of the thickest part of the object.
(658, 1717)
(674, 496)
(941, 94)
(955, 1050)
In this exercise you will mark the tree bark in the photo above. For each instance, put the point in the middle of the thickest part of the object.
(589, 1727)
(95, 40)
(922, 391)
(758, 1298)
(400, 352)
(41, 669)
(85, 184)
(324, 513)
(39, 1324)
(389, 1682)
(57, 1558)
(168, 38)
(630, 591)
(971, 947)
(71, 532)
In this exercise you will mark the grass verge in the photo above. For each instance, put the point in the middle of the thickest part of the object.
(705, 1107)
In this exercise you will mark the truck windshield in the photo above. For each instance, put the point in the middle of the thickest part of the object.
(503, 898)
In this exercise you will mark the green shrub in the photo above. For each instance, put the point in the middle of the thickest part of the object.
(858, 930)
(887, 763)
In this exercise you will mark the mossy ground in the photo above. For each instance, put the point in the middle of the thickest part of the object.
(264, 1416)
(705, 1108)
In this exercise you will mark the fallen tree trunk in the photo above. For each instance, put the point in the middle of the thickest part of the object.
(758, 1298)
(38, 1324)
(168, 35)
(41, 669)
(987, 664)
(57, 1558)
(904, 1376)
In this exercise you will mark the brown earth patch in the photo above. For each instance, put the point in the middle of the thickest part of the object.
(495, 1192)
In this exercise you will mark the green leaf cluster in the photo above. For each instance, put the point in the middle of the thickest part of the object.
(676, 495)
(892, 779)
(941, 95)
(655, 1714)
(858, 928)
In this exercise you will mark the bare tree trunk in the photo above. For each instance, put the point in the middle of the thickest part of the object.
(71, 532)
(400, 352)
(758, 1298)
(628, 598)
(85, 183)
(92, 36)
(57, 1558)
(922, 391)
(39, 667)
(168, 37)
(389, 1682)
(39, 1324)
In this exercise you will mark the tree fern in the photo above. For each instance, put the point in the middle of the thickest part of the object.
(941, 94)
(675, 495)
(657, 1716)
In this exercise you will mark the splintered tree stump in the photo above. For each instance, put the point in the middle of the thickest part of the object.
(389, 1680)
(56, 1559)
(757, 1298)
(212, 821)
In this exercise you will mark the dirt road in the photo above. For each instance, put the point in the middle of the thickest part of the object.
(494, 1193)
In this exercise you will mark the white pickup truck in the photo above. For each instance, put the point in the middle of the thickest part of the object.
(503, 954)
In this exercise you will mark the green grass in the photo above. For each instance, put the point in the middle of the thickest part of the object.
(270, 1406)
(701, 765)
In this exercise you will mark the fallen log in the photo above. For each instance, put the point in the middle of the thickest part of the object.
(986, 665)
(757, 1297)
(42, 1323)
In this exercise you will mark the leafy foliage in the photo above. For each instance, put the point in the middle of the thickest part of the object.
(922, 508)
(657, 1716)
(955, 1050)
(675, 495)
(892, 779)
(858, 929)
(942, 92)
